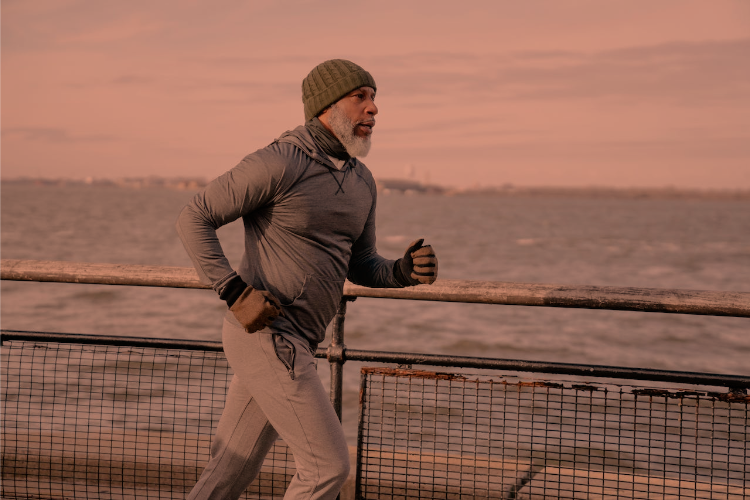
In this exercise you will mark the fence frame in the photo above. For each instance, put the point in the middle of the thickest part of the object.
(696, 302)
(699, 302)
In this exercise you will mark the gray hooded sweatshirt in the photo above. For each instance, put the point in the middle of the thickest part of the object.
(308, 226)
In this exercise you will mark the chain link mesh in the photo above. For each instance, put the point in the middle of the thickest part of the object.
(432, 435)
(97, 421)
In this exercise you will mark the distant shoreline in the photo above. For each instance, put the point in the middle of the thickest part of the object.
(595, 192)
(408, 187)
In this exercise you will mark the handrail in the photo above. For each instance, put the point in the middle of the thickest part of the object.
(99, 274)
(700, 302)
(738, 383)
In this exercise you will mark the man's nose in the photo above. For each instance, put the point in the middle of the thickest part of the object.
(371, 108)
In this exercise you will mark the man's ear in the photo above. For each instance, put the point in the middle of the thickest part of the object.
(323, 117)
(325, 111)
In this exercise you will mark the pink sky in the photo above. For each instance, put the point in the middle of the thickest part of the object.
(537, 92)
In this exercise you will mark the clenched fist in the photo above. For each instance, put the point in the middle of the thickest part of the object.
(418, 266)
(256, 309)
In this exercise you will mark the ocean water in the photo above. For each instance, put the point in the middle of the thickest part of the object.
(701, 245)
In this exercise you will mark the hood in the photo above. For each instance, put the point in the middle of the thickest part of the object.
(303, 139)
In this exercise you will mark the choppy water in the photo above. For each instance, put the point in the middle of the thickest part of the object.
(644, 243)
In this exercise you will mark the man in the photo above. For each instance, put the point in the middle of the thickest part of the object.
(308, 208)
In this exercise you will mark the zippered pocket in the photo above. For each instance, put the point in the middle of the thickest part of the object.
(285, 351)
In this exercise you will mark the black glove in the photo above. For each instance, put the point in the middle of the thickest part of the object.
(256, 309)
(418, 266)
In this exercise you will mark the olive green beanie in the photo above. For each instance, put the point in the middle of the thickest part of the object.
(329, 81)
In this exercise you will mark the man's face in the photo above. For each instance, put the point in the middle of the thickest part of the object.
(351, 120)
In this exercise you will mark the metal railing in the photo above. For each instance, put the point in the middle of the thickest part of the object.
(733, 388)
(88, 416)
(423, 434)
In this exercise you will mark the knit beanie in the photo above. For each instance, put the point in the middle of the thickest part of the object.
(329, 81)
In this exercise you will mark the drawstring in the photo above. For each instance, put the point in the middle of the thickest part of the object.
(341, 183)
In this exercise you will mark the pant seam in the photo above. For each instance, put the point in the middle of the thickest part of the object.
(302, 427)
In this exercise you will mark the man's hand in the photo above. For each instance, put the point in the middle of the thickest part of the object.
(418, 266)
(256, 309)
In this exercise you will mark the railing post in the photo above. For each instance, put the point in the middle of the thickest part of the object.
(335, 355)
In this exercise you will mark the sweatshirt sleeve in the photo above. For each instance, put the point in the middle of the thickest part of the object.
(367, 267)
(241, 190)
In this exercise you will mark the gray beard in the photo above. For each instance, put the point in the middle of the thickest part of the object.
(343, 128)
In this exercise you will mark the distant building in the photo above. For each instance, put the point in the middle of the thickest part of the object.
(405, 186)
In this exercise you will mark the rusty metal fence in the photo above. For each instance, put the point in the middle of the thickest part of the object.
(96, 417)
(113, 417)
(439, 435)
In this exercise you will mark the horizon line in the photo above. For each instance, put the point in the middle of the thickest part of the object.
(201, 181)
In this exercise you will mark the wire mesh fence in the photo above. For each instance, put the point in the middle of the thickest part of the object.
(108, 421)
(87, 420)
(432, 435)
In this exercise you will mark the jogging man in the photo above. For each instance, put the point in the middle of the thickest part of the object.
(308, 207)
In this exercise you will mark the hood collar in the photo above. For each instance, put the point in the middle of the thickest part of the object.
(303, 139)
(325, 140)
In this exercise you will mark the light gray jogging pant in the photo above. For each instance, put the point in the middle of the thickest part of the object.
(266, 397)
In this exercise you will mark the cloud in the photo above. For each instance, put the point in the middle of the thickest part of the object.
(720, 148)
(692, 73)
(604, 151)
(467, 131)
(134, 27)
(52, 134)
(133, 80)
(251, 61)
(688, 73)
